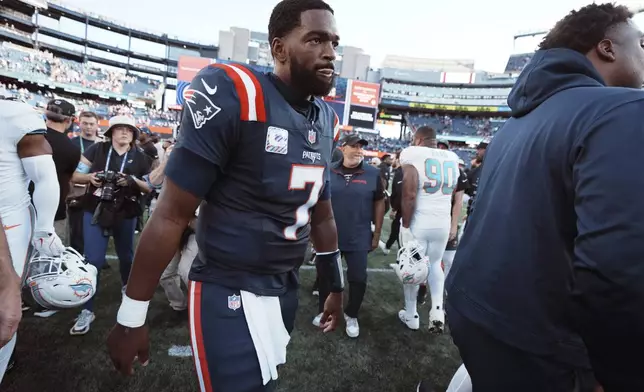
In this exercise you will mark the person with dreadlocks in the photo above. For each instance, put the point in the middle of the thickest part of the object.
(548, 278)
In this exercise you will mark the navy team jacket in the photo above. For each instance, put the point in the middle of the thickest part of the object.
(353, 198)
(260, 166)
(557, 231)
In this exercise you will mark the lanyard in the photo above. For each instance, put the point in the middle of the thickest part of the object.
(82, 145)
(109, 156)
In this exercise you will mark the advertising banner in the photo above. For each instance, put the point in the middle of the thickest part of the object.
(364, 93)
(447, 108)
(362, 117)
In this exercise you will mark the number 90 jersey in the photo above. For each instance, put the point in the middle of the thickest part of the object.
(438, 176)
(260, 166)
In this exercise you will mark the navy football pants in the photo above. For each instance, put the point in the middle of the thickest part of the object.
(497, 367)
(224, 354)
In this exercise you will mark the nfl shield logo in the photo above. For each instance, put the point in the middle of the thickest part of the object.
(312, 136)
(234, 302)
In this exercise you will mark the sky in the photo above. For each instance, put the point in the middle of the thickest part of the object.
(444, 29)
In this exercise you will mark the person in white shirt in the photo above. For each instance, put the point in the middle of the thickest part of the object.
(430, 176)
(25, 155)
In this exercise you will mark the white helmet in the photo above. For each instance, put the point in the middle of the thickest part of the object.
(413, 268)
(61, 282)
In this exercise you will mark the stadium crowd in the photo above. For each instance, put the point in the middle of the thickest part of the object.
(99, 78)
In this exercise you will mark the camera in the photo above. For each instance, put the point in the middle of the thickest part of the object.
(109, 179)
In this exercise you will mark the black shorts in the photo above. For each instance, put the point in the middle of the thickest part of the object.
(452, 244)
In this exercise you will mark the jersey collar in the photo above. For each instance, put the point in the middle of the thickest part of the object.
(298, 103)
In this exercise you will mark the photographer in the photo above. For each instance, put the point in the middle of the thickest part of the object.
(114, 170)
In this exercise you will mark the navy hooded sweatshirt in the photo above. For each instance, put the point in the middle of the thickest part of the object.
(556, 238)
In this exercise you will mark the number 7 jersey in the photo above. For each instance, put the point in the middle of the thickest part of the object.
(437, 178)
(261, 165)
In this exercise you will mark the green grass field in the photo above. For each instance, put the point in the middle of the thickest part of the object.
(386, 357)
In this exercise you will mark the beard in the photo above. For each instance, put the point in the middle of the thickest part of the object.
(308, 80)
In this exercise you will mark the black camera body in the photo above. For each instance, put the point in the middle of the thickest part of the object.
(108, 179)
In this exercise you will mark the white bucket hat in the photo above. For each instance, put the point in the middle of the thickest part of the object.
(120, 121)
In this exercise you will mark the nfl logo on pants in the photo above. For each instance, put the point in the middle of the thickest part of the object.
(234, 302)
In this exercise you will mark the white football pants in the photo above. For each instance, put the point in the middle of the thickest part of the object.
(432, 243)
(18, 227)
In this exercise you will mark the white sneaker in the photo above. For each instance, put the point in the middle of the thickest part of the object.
(45, 313)
(317, 319)
(83, 323)
(412, 323)
(383, 247)
(436, 320)
(353, 328)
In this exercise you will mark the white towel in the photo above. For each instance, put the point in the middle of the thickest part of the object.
(270, 337)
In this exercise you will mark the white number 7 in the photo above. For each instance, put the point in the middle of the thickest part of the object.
(301, 175)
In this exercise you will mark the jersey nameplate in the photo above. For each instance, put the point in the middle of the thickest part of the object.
(276, 140)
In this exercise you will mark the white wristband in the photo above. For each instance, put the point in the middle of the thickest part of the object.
(132, 313)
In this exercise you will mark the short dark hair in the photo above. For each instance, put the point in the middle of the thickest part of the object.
(584, 29)
(286, 16)
(425, 133)
(88, 114)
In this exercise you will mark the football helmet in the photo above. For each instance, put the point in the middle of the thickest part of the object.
(412, 268)
(61, 282)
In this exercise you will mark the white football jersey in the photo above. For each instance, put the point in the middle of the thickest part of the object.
(437, 177)
(17, 119)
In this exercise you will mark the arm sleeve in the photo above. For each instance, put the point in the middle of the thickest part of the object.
(42, 171)
(209, 132)
(608, 195)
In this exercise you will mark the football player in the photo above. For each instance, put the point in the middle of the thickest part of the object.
(430, 177)
(25, 155)
(254, 153)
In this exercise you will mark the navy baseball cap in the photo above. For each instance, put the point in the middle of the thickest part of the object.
(352, 140)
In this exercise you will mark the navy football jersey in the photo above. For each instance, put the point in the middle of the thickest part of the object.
(260, 166)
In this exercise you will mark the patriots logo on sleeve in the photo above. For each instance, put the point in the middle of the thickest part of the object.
(201, 107)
